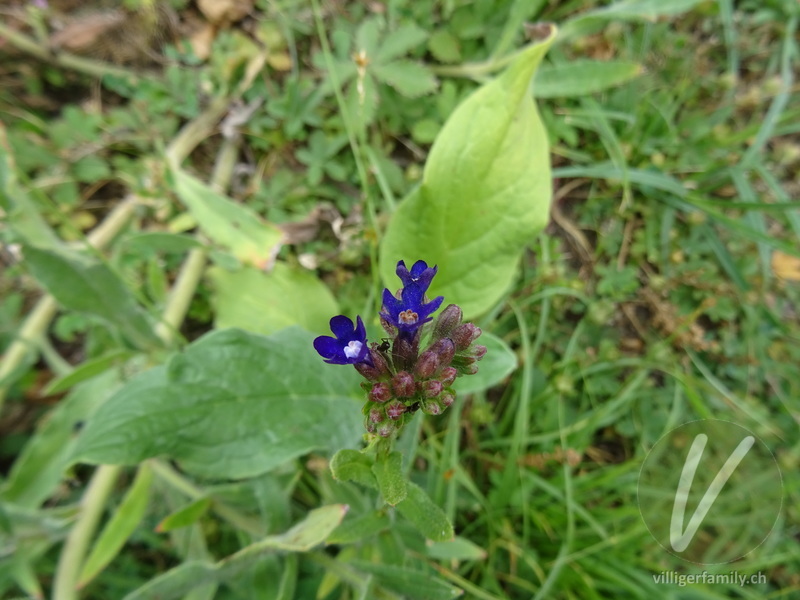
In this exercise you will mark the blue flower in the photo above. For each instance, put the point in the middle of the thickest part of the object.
(409, 312)
(420, 273)
(348, 347)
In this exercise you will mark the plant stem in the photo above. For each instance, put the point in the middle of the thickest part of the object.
(86, 66)
(71, 559)
(45, 310)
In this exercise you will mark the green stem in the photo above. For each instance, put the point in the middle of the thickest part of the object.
(86, 66)
(70, 561)
(477, 71)
(183, 485)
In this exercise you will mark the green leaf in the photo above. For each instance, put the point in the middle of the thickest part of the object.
(445, 47)
(360, 528)
(411, 583)
(456, 549)
(184, 516)
(367, 38)
(304, 536)
(83, 283)
(635, 10)
(428, 518)
(409, 78)
(231, 225)
(87, 370)
(583, 77)
(122, 524)
(388, 470)
(499, 362)
(485, 192)
(232, 405)
(268, 302)
(158, 241)
(352, 465)
(400, 41)
(20, 211)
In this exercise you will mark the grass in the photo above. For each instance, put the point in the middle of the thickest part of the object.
(657, 295)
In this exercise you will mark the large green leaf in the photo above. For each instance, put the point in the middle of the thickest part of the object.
(268, 302)
(485, 193)
(232, 225)
(83, 283)
(233, 405)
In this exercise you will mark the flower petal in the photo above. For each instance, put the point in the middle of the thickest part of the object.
(342, 328)
(327, 347)
(391, 305)
(360, 333)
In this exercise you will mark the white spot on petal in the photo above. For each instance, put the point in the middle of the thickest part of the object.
(352, 349)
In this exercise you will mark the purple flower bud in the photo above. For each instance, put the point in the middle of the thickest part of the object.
(431, 388)
(388, 327)
(403, 385)
(376, 415)
(449, 375)
(447, 399)
(464, 335)
(370, 426)
(395, 410)
(448, 320)
(444, 349)
(378, 360)
(431, 407)
(380, 392)
(427, 363)
(404, 352)
(368, 371)
(478, 352)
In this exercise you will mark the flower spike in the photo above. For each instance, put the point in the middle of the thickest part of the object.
(409, 312)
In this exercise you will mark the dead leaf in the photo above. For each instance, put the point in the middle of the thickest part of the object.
(225, 11)
(89, 30)
(785, 266)
(201, 41)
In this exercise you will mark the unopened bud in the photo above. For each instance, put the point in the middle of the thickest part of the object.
(370, 426)
(368, 371)
(404, 352)
(464, 335)
(378, 360)
(403, 385)
(388, 327)
(448, 375)
(427, 363)
(447, 399)
(386, 428)
(468, 369)
(448, 320)
(444, 350)
(431, 407)
(376, 415)
(431, 388)
(395, 410)
(478, 352)
(380, 392)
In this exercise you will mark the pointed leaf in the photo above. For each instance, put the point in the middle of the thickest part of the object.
(352, 465)
(184, 516)
(124, 521)
(367, 38)
(411, 583)
(583, 77)
(81, 282)
(485, 193)
(428, 518)
(388, 472)
(234, 226)
(359, 528)
(232, 405)
(409, 78)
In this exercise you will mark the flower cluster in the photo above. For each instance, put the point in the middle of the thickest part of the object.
(401, 379)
